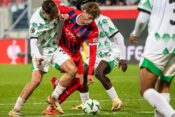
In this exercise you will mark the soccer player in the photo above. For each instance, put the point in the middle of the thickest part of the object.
(78, 28)
(110, 52)
(43, 32)
(158, 62)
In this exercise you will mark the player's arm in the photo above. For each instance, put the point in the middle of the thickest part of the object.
(116, 37)
(35, 51)
(92, 40)
(34, 47)
(119, 41)
(92, 58)
(141, 21)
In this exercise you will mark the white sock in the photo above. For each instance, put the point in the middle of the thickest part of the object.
(19, 104)
(158, 102)
(112, 93)
(58, 91)
(165, 96)
(84, 97)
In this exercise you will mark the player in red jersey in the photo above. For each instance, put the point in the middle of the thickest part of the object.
(78, 27)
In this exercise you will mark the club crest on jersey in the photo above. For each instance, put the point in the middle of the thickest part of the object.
(32, 30)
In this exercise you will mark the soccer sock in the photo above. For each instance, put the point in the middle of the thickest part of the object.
(84, 96)
(112, 93)
(165, 96)
(58, 91)
(54, 81)
(69, 90)
(156, 100)
(19, 104)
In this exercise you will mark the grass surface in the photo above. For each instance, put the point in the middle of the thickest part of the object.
(14, 77)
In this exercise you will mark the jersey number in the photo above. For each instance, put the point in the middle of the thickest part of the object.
(171, 21)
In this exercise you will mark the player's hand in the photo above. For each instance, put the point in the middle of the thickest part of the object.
(90, 79)
(133, 39)
(39, 60)
(123, 65)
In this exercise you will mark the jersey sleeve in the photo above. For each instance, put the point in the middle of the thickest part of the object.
(33, 30)
(93, 35)
(108, 27)
(145, 5)
(92, 40)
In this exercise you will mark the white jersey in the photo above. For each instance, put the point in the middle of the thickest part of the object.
(161, 25)
(106, 29)
(45, 31)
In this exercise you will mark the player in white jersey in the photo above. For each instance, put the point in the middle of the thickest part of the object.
(110, 53)
(157, 67)
(44, 28)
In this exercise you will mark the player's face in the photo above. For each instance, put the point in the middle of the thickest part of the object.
(88, 18)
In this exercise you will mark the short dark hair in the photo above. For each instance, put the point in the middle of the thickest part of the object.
(82, 2)
(49, 7)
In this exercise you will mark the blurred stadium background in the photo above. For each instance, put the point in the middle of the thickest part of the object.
(15, 15)
(14, 49)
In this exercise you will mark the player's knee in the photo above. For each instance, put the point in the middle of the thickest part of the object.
(73, 70)
(99, 75)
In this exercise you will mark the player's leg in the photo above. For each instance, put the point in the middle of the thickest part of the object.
(163, 87)
(70, 71)
(84, 94)
(28, 89)
(148, 77)
(163, 83)
(101, 71)
(76, 83)
(62, 61)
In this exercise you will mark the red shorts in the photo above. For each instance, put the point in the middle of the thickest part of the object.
(79, 63)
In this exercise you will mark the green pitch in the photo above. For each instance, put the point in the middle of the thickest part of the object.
(14, 77)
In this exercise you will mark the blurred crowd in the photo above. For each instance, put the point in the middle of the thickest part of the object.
(74, 2)
(4, 3)
(105, 2)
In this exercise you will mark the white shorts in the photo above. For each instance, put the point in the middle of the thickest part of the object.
(111, 58)
(160, 65)
(56, 58)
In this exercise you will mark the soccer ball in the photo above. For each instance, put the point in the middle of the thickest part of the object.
(91, 107)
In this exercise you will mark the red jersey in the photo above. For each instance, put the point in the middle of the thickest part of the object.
(74, 34)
